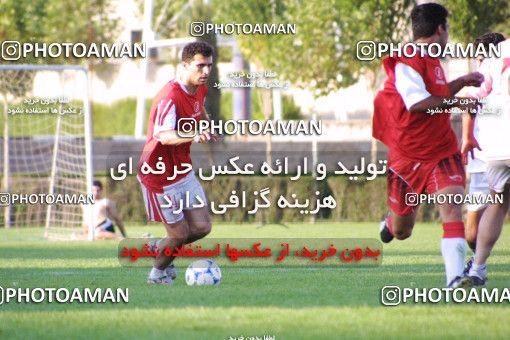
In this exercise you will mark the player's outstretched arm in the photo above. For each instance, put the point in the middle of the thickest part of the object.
(170, 137)
(417, 98)
(437, 102)
(472, 79)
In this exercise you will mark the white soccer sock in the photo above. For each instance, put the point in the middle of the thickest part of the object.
(156, 273)
(454, 252)
(478, 270)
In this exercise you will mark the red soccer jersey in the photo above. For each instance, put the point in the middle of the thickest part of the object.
(417, 136)
(170, 104)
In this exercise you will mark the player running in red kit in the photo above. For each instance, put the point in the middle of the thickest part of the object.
(179, 101)
(423, 150)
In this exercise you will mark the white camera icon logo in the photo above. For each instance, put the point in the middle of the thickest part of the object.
(187, 128)
(390, 296)
(411, 199)
(5, 199)
(197, 29)
(11, 50)
(365, 50)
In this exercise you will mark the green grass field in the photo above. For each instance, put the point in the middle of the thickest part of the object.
(288, 303)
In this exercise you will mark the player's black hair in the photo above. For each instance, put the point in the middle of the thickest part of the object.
(487, 39)
(197, 47)
(426, 18)
(98, 184)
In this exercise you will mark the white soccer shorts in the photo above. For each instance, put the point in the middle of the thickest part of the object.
(186, 194)
(478, 186)
(498, 174)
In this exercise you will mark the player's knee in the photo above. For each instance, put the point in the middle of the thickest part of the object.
(452, 212)
(403, 227)
(506, 197)
(178, 232)
(201, 229)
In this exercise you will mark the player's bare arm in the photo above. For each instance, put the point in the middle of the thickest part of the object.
(472, 79)
(469, 142)
(437, 102)
(170, 137)
(433, 102)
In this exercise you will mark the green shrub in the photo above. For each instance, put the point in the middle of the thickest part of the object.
(290, 109)
(116, 119)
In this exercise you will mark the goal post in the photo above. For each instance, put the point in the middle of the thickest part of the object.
(46, 149)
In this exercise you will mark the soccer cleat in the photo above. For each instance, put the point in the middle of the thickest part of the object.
(385, 234)
(171, 271)
(468, 266)
(162, 280)
(473, 281)
(456, 282)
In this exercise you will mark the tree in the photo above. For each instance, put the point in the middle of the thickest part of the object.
(22, 21)
(48, 21)
(470, 19)
(171, 19)
(321, 56)
(384, 21)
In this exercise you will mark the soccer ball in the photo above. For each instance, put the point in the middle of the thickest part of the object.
(203, 273)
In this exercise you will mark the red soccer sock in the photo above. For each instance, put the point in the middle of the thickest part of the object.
(453, 230)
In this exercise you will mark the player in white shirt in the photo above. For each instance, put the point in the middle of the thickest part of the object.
(494, 128)
(104, 216)
(476, 167)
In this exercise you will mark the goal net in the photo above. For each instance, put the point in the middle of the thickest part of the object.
(46, 149)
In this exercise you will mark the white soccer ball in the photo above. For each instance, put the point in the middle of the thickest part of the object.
(203, 273)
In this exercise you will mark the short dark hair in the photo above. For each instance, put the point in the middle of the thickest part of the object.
(194, 48)
(426, 18)
(487, 39)
(98, 184)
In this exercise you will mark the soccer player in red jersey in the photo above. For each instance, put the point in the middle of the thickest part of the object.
(179, 100)
(423, 151)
